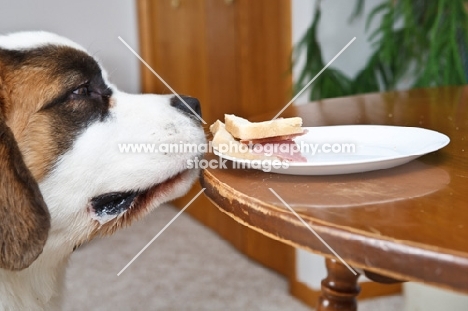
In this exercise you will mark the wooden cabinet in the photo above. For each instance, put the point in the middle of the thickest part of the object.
(234, 56)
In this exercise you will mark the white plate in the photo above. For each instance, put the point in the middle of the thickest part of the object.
(375, 147)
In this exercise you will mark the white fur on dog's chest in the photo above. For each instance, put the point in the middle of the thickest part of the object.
(39, 286)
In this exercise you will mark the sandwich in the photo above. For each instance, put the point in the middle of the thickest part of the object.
(267, 140)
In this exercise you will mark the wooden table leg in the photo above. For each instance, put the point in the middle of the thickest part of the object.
(339, 288)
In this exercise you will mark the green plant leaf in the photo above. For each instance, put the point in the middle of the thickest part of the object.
(358, 10)
(378, 9)
(422, 39)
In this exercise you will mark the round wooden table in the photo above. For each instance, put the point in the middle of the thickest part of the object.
(408, 223)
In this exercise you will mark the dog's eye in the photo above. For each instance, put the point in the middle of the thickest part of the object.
(83, 90)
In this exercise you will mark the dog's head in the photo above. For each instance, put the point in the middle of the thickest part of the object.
(62, 126)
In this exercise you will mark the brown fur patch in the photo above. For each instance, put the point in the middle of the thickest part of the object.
(35, 79)
(32, 137)
(31, 129)
(24, 218)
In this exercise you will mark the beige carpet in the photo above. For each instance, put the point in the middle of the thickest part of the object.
(187, 268)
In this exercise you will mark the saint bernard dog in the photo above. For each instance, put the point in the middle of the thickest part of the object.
(63, 179)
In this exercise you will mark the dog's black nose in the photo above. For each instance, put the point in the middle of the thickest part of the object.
(187, 102)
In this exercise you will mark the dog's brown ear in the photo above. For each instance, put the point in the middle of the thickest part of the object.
(24, 217)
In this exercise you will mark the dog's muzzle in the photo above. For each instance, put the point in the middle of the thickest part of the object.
(188, 105)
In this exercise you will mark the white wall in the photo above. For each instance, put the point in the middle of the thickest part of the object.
(420, 297)
(95, 24)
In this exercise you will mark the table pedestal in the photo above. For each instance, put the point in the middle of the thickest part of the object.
(339, 288)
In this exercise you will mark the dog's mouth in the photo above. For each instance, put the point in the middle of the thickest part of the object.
(108, 206)
(112, 203)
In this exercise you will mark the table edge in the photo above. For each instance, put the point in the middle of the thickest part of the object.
(437, 268)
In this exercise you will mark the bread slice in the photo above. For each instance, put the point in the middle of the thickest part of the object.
(220, 135)
(245, 130)
(232, 147)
